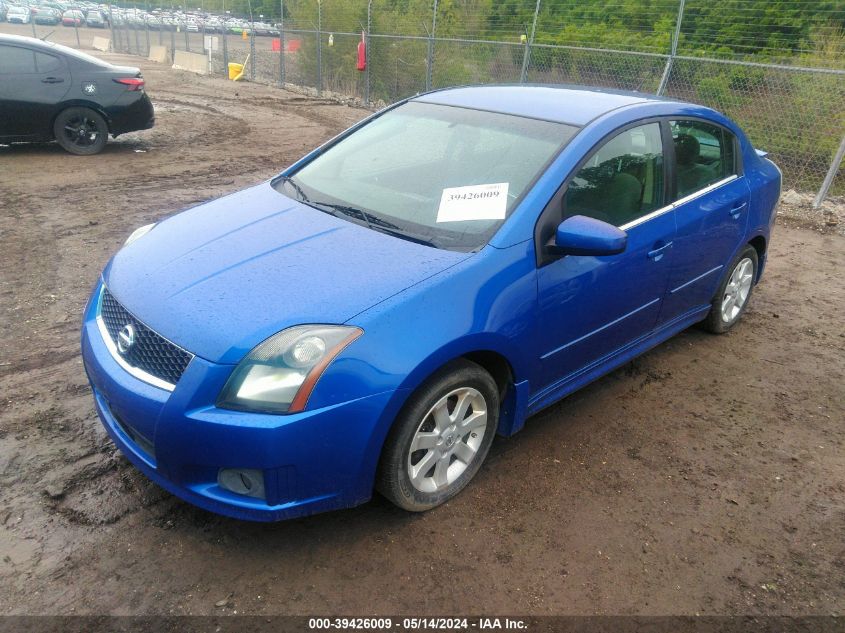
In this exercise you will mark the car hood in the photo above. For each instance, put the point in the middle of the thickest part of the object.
(221, 277)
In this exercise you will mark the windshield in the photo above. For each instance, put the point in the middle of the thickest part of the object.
(441, 175)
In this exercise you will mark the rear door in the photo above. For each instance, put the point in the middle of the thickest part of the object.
(711, 211)
(32, 84)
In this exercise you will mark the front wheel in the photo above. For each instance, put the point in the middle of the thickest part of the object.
(441, 438)
(734, 292)
(81, 131)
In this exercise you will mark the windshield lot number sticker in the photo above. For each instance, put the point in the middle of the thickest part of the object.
(476, 202)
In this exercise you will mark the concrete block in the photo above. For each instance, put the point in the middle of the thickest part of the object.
(194, 62)
(101, 44)
(158, 54)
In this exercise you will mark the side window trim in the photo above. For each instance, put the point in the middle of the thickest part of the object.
(704, 190)
(669, 171)
(552, 213)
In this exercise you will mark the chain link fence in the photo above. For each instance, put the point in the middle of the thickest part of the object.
(792, 104)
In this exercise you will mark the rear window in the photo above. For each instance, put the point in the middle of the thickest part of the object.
(47, 63)
(78, 55)
(704, 154)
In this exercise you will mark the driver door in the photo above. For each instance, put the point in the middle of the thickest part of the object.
(592, 307)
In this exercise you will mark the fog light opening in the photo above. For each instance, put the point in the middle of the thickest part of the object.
(242, 481)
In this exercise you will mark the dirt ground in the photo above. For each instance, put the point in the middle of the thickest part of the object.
(708, 476)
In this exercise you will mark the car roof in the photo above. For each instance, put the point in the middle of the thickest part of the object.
(20, 39)
(70, 54)
(575, 105)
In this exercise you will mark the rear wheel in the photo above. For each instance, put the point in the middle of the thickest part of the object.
(441, 438)
(81, 131)
(734, 293)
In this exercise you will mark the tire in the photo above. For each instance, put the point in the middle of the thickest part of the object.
(734, 293)
(81, 131)
(454, 457)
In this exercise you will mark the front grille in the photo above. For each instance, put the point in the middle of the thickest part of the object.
(151, 352)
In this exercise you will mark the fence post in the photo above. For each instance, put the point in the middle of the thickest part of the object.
(367, 41)
(252, 50)
(429, 74)
(526, 58)
(225, 51)
(185, 24)
(831, 173)
(173, 45)
(282, 44)
(147, 27)
(111, 31)
(76, 28)
(319, 47)
(664, 80)
(31, 21)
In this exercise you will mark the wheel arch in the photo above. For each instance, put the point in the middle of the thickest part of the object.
(80, 103)
(493, 354)
(759, 243)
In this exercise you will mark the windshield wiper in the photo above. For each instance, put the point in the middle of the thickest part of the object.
(371, 220)
(405, 236)
(289, 180)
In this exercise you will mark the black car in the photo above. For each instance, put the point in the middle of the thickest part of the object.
(49, 91)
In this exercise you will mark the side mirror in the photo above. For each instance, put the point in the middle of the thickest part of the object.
(580, 235)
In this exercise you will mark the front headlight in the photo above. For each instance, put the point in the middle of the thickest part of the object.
(279, 375)
(139, 233)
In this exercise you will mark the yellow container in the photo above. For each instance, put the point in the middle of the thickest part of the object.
(235, 70)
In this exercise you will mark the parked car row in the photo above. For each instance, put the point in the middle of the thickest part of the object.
(52, 14)
(90, 14)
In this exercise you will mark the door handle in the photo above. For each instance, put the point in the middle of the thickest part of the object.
(657, 253)
(736, 210)
(52, 80)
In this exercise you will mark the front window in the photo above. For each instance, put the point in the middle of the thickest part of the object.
(623, 180)
(16, 60)
(442, 175)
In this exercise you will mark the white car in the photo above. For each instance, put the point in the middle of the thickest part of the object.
(20, 15)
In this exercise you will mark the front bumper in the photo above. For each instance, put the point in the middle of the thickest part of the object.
(311, 461)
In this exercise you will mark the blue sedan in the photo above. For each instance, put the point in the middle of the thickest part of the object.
(372, 317)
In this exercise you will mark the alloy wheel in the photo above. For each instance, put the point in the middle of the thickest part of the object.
(81, 131)
(737, 290)
(447, 440)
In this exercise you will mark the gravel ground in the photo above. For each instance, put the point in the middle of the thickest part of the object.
(708, 476)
